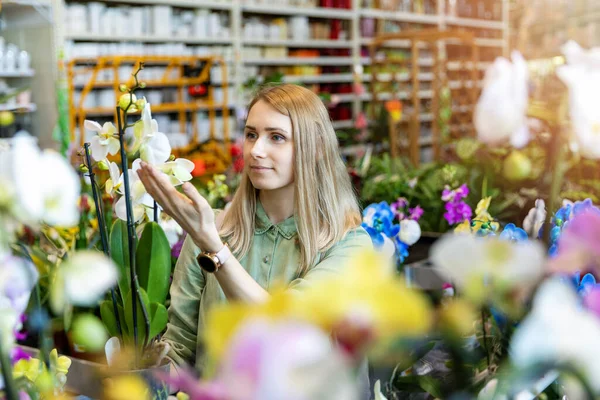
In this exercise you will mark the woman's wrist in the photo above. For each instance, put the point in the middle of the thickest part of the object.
(209, 242)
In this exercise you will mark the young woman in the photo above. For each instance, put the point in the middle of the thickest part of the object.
(294, 218)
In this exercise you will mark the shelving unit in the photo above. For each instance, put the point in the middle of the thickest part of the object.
(330, 63)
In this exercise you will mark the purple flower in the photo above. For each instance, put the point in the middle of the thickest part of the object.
(462, 192)
(415, 213)
(447, 194)
(398, 204)
(18, 354)
(457, 212)
(176, 250)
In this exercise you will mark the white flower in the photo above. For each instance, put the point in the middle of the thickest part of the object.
(410, 231)
(17, 279)
(45, 186)
(291, 361)
(582, 77)
(20, 174)
(172, 230)
(141, 201)
(178, 171)
(60, 188)
(153, 145)
(8, 320)
(500, 113)
(462, 257)
(82, 280)
(105, 142)
(559, 330)
(115, 182)
(535, 218)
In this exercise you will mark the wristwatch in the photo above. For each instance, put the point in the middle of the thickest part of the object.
(211, 262)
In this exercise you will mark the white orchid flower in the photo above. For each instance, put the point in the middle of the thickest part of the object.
(153, 145)
(172, 230)
(105, 142)
(559, 330)
(60, 190)
(582, 76)
(45, 185)
(500, 113)
(410, 231)
(115, 182)
(8, 320)
(463, 257)
(178, 171)
(82, 280)
(17, 279)
(535, 218)
(20, 175)
(141, 202)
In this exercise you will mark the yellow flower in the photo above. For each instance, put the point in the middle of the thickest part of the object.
(464, 226)
(482, 206)
(61, 364)
(224, 320)
(458, 317)
(126, 387)
(30, 369)
(367, 294)
(366, 303)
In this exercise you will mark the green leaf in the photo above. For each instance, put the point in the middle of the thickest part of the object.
(158, 320)
(153, 262)
(108, 317)
(119, 252)
(139, 317)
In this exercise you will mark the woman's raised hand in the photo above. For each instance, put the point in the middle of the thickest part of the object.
(190, 210)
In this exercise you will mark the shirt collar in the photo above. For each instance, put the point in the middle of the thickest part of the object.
(287, 228)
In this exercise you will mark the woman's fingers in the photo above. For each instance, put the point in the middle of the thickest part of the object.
(192, 193)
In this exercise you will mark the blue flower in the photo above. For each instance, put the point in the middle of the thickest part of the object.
(378, 222)
(401, 250)
(514, 234)
(587, 283)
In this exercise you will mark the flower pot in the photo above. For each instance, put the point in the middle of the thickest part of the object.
(86, 377)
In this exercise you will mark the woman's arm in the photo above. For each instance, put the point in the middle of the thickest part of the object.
(193, 213)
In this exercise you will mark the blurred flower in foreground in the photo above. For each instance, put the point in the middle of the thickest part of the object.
(578, 245)
(559, 331)
(366, 302)
(582, 77)
(500, 113)
(483, 267)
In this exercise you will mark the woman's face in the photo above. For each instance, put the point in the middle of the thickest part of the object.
(269, 148)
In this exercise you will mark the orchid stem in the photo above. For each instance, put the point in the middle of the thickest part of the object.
(102, 229)
(135, 288)
(155, 211)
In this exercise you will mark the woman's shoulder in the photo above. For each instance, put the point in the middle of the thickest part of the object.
(355, 237)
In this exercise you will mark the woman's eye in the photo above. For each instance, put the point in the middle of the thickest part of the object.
(250, 135)
(278, 138)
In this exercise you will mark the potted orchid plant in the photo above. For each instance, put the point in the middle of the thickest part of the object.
(135, 312)
(40, 194)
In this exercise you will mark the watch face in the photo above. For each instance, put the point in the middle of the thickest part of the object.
(206, 263)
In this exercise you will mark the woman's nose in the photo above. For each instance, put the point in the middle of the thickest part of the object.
(258, 148)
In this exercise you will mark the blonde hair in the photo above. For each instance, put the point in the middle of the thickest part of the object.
(325, 205)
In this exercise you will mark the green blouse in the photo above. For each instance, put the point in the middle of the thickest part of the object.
(273, 257)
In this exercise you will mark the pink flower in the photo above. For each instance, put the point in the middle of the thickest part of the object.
(416, 213)
(579, 244)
